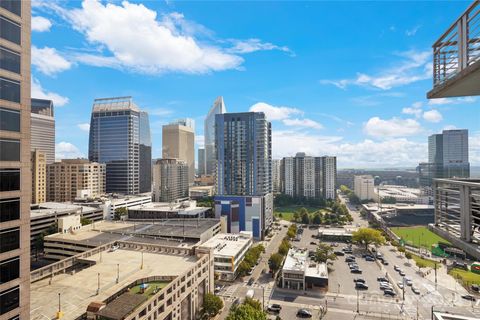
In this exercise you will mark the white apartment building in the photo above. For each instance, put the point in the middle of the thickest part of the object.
(229, 249)
(276, 179)
(363, 187)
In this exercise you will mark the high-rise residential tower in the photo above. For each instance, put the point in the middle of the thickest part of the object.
(202, 169)
(178, 142)
(170, 180)
(243, 178)
(309, 177)
(120, 138)
(43, 128)
(218, 107)
(15, 164)
(276, 180)
(39, 177)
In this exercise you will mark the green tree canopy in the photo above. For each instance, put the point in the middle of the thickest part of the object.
(246, 312)
(317, 219)
(275, 262)
(212, 304)
(324, 252)
(85, 221)
(368, 236)
(284, 246)
(305, 218)
(119, 213)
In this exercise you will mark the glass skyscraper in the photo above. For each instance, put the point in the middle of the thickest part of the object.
(209, 134)
(120, 138)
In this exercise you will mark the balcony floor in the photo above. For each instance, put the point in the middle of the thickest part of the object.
(465, 83)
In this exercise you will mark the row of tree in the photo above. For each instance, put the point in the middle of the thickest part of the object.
(276, 259)
(284, 200)
(250, 309)
(338, 213)
(251, 258)
(352, 197)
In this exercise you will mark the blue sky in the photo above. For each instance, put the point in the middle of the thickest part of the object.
(337, 78)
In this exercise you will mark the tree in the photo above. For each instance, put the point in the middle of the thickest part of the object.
(119, 213)
(389, 200)
(243, 268)
(296, 216)
(253, 302)
(275, 262)
(283, 248)
(324, 252)
(212, 304)
(305, 218)
(85, 221)
(246, 312)
(408, 255)
(317, 219)
(368, 236)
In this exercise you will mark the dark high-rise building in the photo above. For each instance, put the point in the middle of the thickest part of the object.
(120, 138)
(15, 165)
(202, 169)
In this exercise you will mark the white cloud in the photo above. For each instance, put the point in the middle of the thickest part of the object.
(252, 45)
(415, 109)
(273, 112)
(474, 148)
(67, 150)
(415, 66)
(413, 31)
(450, 127)
(84, 126)
(394, 127)
(41, 24)
(366, 153)
(135, 40)
(38, 92)
(432, 116)
(444, 101)
(48, 61)
(307, 123)
(160, 112)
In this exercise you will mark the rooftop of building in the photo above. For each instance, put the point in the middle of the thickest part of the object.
(316, 270)
(396, 190)
(296, 260)
(451, 316)
(228, 244)
(182, 208)
(41, 210)
(114, 198)
(337, 231)
(398, 206)
(75, 298)
(174, 232)
(114, 104)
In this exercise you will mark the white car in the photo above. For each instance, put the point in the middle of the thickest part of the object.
(400, 284)
(408, 282)
(415, 290)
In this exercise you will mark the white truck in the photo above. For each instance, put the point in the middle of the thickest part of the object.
(250, 294)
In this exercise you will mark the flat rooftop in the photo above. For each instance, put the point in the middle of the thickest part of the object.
(296, 260)
(316, 270)
(53, 208)
(79, 289)
(336, 231)
(398, 206)
(189, 209)
(228, 244)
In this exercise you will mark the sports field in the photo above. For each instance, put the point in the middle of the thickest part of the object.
(418, 236)
(287, 211)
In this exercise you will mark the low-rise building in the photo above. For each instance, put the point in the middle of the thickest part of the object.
(112, 202)
(166, 210)
(200, 192)
(124, 280)
(402, 194)
(229, 249)
(301, 273)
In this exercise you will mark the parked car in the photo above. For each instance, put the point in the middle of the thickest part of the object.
(400, 284)
(356, 271)
(304, 313)
(396, 268)
(384, 262)
(313, 243)
(250, 282)
(369, 258)
(385, 286)
(359, 280)
(408, 281)
(274, 308)
(382, 279)
(339, 253)
(389, 292)
(361, 286)
(249, 272)
(415, 290)
(475, 287)
(469, 297)
(400, 272)
(349, 259)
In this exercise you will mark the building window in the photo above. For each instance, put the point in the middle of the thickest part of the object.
(9, 300)
(9, 239)
(10, 30)
(9, 60)
(9, 90)
(9, 150)
(9, 179)
(9, 270)
(14, 6)
(9, 209)
(9, 119)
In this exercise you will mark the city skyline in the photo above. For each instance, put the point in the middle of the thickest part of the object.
(332, 105)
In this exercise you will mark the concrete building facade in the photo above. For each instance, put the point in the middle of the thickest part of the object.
(70, 179)
(218, 107)
(363, 187)
(276, 175)
(43, 128)
(170, 180)
(202, 169)
(39, 177)
(178, 142)
(15, 164)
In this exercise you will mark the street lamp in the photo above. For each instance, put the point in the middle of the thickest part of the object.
(358, 305)
(118, 272)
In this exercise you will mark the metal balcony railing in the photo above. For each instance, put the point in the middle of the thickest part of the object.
(459, 47)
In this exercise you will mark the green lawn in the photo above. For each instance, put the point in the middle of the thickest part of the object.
(425, 262)
(466, 277)
(151, 287)
(418, 236)
(287, 212)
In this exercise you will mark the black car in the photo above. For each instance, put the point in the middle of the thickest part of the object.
(469, 297)
(304, 313)
(339, 253)
(389, 292)
(382, 279)
(349, 260)
(357, 280)
(250, 282)
(356, 271)
(475, 287)
(384, 262)
(313, 243)
(361, 286)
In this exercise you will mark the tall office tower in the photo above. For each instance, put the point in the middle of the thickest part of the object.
(39, 177)
(202, 169)
(243, 177)
(276, 179)
(218, 107)
(43, 128)
(178, 142)
(447, 157)
(15, 179)
(309, 177)
(170, 180)
(145, 150)
(75, 178)
(455, 154)
(120, 138)
(363, 186)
